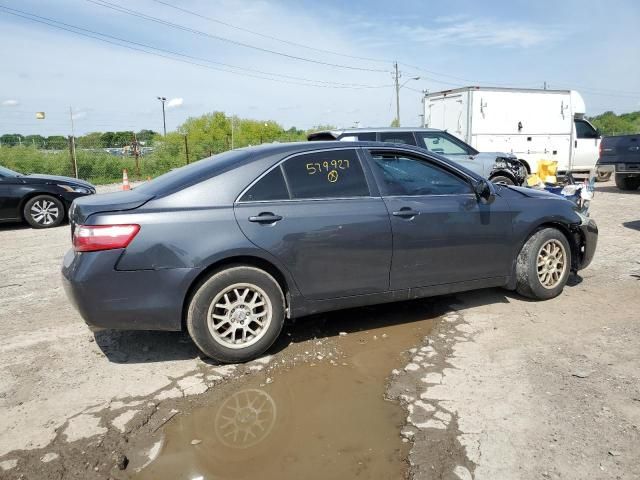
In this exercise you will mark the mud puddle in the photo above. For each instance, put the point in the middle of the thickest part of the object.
(324, 418)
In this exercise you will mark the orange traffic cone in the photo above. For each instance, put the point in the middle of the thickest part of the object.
(125, 180)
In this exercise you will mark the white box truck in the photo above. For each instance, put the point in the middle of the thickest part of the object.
(532, 124)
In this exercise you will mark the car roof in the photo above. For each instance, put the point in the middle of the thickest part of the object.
(335, 133)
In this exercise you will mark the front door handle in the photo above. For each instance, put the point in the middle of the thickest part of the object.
(406, 212)
(265, 217)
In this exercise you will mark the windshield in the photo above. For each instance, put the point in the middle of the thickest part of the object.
(5, 172)
(444, 144)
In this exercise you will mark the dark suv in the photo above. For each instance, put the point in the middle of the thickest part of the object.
(495, 166)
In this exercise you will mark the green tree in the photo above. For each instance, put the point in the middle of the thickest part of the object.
(11, 139)
(90, 140)
(56, 142)
(37, 141)
(611, 124)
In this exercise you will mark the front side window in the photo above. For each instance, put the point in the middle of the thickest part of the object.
(269, 187)
(398, 137)
(438, 143)
(331, 174)
(585, 130)
(402, 175)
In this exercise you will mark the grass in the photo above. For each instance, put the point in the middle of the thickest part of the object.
(94, 166)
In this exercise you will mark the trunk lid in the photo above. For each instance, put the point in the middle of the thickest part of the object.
(83, 207)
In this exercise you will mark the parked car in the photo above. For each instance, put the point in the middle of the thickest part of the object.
(621, 155)
(497, 167)
(41, 200)
(231, 246)
(533, 124)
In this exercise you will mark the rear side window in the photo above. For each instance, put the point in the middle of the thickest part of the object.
(362, 136)
(269, 187)
(332, 174)
(398, 137)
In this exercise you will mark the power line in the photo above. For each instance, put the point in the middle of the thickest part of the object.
(96, 36)
(270, 37)
(142, 15)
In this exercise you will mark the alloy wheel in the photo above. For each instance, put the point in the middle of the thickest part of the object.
(551, 263)
(44, 212)
(239, 315)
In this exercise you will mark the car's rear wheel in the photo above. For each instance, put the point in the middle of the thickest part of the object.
(624, 182)
(43, 211)
(236, 314)
(543, 265)
(502, 179)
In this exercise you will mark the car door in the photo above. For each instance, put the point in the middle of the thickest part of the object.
(315, 213)
(442, 234)
(10, 195)
(586, 146)
(454, 149)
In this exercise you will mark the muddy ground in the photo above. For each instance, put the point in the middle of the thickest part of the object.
(482, 385)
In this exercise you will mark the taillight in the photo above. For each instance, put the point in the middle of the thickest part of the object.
(91, 238)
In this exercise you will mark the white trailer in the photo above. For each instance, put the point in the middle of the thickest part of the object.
(532, 124)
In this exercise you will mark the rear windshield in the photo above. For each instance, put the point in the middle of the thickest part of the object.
(196, 172)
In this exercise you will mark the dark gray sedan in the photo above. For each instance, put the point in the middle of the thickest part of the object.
(231, 246)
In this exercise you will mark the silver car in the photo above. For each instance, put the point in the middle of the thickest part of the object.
(495, 166)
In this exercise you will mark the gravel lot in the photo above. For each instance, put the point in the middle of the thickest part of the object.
(500, 388)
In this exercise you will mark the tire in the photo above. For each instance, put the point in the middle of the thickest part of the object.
(502, 179)
(550, 247)
(233, 295)
(627, 183)
(603, 176)
(44, 211)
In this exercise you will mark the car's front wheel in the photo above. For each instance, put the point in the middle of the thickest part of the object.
(543, 265)
(236, 314)
(43, 211)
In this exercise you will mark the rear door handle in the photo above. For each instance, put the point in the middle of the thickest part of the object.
(265, 217)
(406, 212)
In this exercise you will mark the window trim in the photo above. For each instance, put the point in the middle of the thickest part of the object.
(449, 169)
(280, 163)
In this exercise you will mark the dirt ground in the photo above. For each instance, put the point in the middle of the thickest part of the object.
(483, 385)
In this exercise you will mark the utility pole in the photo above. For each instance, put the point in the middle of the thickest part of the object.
(72, 145)
(545, 85)
(186, 149)
(397, 82)
(232, 132)
(164, 121)
(135, 146)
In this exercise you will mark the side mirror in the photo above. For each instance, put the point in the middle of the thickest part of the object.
(485, 191)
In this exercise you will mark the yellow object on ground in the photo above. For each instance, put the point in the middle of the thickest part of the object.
(547, 170)
(533, 179)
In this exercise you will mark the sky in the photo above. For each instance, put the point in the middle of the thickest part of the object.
(333, 62)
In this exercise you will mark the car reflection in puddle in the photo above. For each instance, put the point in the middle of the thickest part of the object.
(314, 420)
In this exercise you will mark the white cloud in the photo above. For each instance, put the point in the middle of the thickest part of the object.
(175, 103)
(480, 32)
(10, 103)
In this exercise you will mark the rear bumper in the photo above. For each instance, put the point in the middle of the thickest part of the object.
(128, 300)
(589, 234)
